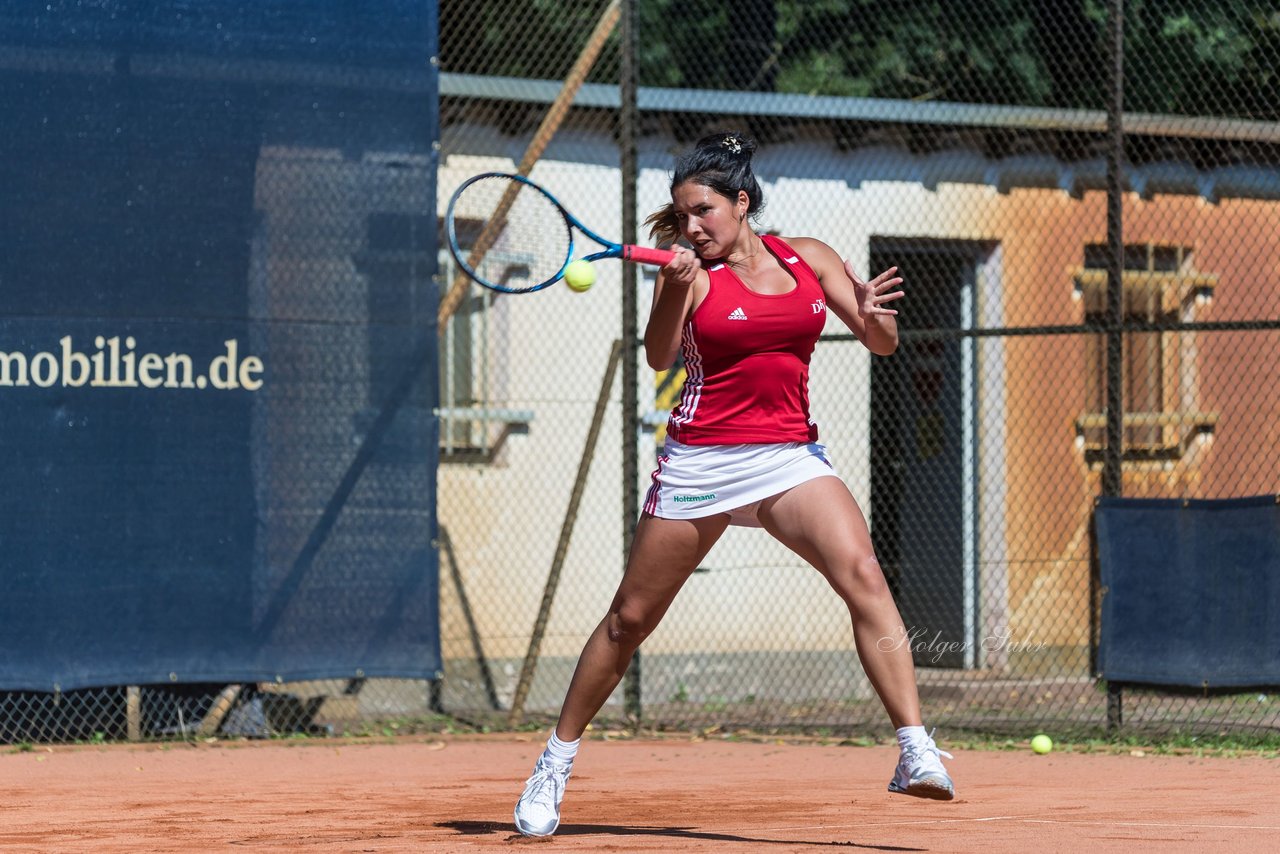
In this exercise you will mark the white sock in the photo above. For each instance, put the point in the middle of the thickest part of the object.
(909, 734)
(561, 752)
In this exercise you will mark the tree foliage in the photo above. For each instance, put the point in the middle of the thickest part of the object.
(1214, 57)
(1196, 57)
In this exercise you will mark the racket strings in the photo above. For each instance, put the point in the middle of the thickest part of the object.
(510, 235)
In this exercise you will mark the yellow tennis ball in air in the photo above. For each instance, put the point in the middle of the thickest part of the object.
(579, 275)
(1042, 743)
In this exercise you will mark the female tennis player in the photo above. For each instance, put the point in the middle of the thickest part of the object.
(746, 310)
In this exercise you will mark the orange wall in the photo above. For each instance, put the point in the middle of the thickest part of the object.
(1049, 487)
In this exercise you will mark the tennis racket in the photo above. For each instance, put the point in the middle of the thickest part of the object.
(511, 235)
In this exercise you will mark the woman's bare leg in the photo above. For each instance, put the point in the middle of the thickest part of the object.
(820, 521)
(664, 553)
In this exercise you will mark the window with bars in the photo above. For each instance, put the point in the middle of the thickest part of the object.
(1162, 411)
(474, 425)
(396, 262)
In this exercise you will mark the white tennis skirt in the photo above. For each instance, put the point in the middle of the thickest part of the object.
(695, 481)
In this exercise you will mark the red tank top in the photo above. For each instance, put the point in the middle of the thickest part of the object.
(746, 358)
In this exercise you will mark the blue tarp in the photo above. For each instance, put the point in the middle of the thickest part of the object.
(1191, 591)
(197, 339)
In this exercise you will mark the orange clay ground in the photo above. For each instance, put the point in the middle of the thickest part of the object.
(455, 793)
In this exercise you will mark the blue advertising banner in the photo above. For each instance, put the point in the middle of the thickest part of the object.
(1191, 591)
(217, 244)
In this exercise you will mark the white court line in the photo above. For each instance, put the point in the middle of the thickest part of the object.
(737, 829)
(1030, 818)
(1166, 824)
(913, 821)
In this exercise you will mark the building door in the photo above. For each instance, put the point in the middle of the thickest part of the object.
(922, 450)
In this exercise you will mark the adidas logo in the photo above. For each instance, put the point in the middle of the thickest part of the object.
(738, 314)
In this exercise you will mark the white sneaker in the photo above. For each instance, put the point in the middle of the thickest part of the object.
(920, 772)
(538, 810)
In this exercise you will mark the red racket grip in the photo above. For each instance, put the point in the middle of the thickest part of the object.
(646, 255)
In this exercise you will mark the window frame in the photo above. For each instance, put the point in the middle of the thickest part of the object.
(1162, 413)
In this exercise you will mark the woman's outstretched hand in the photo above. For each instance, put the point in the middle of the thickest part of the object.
(874, 294)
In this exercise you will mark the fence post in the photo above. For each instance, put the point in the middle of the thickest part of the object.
(1112, 474)
(627, 132)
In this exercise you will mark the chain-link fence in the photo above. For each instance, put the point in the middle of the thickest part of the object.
(969, 144)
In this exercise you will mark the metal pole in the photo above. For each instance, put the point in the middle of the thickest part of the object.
(627, 133)
(1112, 474)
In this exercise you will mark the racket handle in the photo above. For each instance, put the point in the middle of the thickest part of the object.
(647, 255)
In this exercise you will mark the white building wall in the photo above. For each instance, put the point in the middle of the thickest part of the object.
(755, 598)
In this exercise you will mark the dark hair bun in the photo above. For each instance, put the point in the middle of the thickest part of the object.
(731, 143)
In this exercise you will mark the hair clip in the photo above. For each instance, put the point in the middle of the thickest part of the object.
(733, 144)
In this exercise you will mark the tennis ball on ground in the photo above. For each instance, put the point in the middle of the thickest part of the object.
(579, 275)
(1042, 743)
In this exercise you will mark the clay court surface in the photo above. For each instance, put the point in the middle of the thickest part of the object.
(456, 794)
